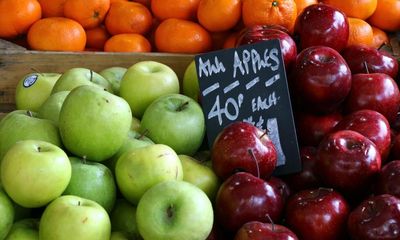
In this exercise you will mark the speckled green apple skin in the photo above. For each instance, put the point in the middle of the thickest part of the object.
(94, 123)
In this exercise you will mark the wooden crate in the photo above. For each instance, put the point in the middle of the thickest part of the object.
(16, 61)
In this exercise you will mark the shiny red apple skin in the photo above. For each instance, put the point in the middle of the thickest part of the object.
(389, 179)
(371, 124)
(374, 91)
(281, 187)
(259, 33)
(243, 198)
(311, 128)
(347, 161)
(322, 25)
(377, 217)
(316, 214)
(230, 152)
(306, 178)
(320, 80)
(361, 57)
(256, 230)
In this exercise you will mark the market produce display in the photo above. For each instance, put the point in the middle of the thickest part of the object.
(122, 153)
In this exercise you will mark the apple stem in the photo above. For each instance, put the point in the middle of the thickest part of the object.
(84, 159)
(255, 160)
(29, 113)
(170, 212)
(366, 66)
(79, 203)
(39, 149)
(272, 222)
(143, 134)
(264, 133)
(91, 76)
(182, 106)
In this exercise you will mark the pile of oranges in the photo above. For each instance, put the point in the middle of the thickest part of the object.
(173, 26)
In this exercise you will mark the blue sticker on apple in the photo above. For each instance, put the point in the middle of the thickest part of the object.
(30, 80)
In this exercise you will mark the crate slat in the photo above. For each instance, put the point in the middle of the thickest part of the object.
(15, 63)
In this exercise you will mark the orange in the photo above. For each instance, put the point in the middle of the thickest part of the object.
(360, 32)
(89, 13)
(269, 12)
(380, 37)
(16, 16)
(52, 8)
(96, 37)
(181, 36)
(354, 8)
(127, 42)
(128, 17)
(219, 15)
(386, 15)
(57, 34)
(301, 4)
(183, 9)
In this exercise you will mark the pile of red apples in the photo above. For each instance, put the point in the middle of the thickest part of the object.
(346, 105)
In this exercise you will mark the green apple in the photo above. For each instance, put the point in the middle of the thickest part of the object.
(177, 121)
(141, 168)
(33, 89)
(50, 109)
(34, 172)
(174, 210)
(121, 236)
(94, 123)
(23, 125)
(190, 82)
(92, 180)
(123, 219)
(75, 77)
(134, 140)
(114, 76)
(25, 229)
(71, 217)
(7, 214)
(200, 175)
(144, 82)
(135, 126)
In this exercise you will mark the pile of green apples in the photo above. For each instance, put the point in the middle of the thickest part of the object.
(117, 154)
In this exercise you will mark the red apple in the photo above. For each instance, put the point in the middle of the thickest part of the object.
(371, 124)
(255, 230)
(241, 146)
(347, 161)
(243, 198)
(322, 25)
(377, 217)
(389, 179)
(320, 80)
(365, 59)
(306, 179)
(317, 214)
(374, 91)
(311, 128)
(259, 33)
(280, 187)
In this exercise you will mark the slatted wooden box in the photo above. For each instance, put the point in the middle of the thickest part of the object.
(16, 61)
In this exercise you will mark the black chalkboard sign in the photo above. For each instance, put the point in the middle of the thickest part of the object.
(249, 84)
